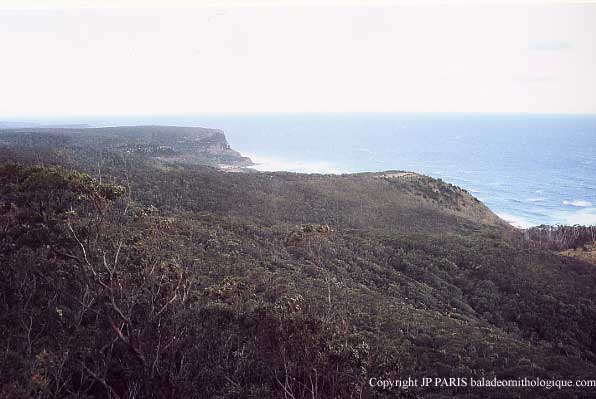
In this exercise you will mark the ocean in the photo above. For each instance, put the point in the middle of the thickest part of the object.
(529, 169)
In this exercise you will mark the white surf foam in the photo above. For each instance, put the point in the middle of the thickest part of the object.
(578, 203)
(586, 217)
(269, 164)
(516, 221)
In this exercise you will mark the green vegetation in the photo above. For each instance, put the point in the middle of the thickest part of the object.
(177, 280)
(167, 144)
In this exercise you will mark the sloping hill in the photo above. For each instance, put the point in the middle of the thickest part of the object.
(178, 280)
(364, 201)
(178, 181)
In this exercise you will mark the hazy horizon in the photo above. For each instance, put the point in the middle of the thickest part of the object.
(148, 118)
(65, 60)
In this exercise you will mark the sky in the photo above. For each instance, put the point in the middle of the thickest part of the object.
(90, 58)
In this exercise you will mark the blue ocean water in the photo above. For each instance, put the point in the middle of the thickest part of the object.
(529, 169)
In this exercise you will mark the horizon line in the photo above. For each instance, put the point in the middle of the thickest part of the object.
(32, 118)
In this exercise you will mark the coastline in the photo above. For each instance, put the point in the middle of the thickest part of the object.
(569, 212)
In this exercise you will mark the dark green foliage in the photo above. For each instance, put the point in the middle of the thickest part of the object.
(181, 281)
(189, 145)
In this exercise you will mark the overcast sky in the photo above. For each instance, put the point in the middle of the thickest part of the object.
(344, 57)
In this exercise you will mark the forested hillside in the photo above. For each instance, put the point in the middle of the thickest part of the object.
(185, 145)
(128, 275)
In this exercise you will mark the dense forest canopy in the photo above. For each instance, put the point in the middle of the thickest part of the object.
(132, 268)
